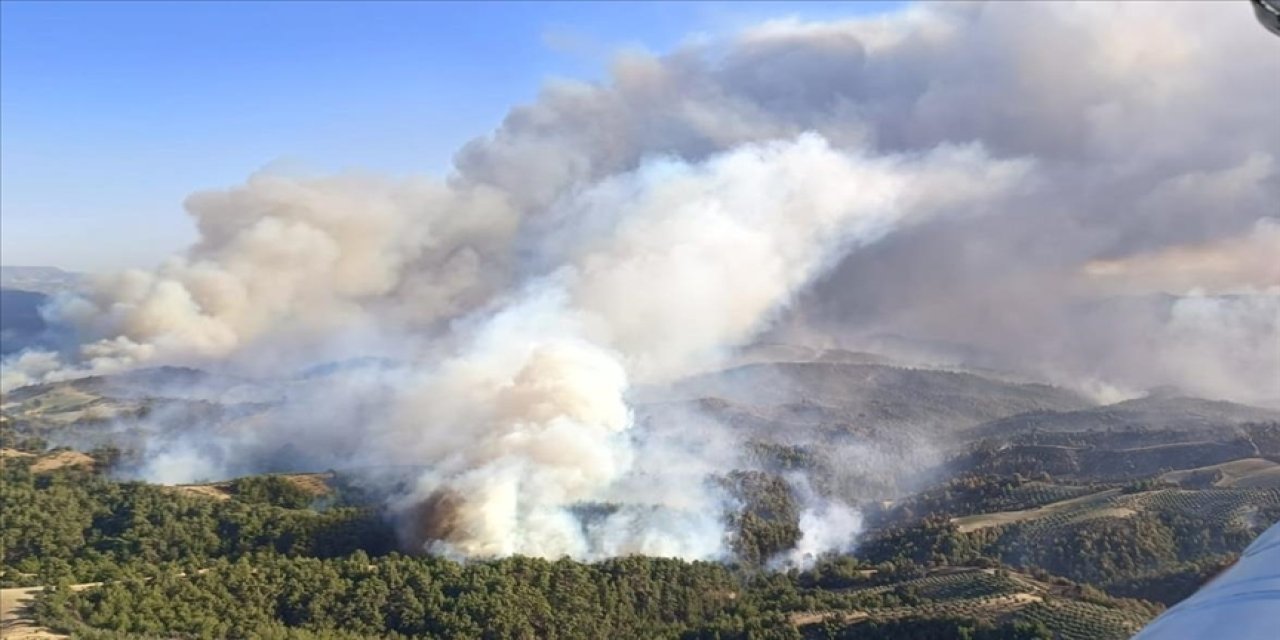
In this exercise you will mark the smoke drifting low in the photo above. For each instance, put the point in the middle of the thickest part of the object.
(1014, 176)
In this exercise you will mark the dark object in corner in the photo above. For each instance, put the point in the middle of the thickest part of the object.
(1268, 12)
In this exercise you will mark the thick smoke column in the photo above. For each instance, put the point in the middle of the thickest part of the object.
(1149, 128)
(529, 419)
(521, 416)
(1007, 175)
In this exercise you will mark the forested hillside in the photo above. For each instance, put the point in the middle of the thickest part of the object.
(977, 556)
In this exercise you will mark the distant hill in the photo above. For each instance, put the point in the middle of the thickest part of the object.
(776, 352)
(127, 408)
(20, 322)
(23, 290)
(46, 280)
(150, 382)
(1125, 440)
(869, 397)
(1153, 412)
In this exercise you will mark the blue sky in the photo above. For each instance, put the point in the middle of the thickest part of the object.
(111, 113)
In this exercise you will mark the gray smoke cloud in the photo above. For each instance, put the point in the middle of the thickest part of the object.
(1144, 254)
(1018, 177)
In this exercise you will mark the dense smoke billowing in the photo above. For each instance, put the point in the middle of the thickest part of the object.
(1022, 178)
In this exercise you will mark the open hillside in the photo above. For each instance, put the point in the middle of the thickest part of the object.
(1153, 413)
(932, 604)
(1247, 473)
(125, 408)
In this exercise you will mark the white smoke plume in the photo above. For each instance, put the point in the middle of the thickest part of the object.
(959, 171)
(645, 276)
(828, 527)
(530, 418)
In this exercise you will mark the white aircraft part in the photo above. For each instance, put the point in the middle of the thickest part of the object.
(1243, 603)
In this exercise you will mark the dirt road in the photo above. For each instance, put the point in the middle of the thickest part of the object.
(16, 622)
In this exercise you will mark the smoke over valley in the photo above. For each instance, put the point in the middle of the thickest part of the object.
(837, 241)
